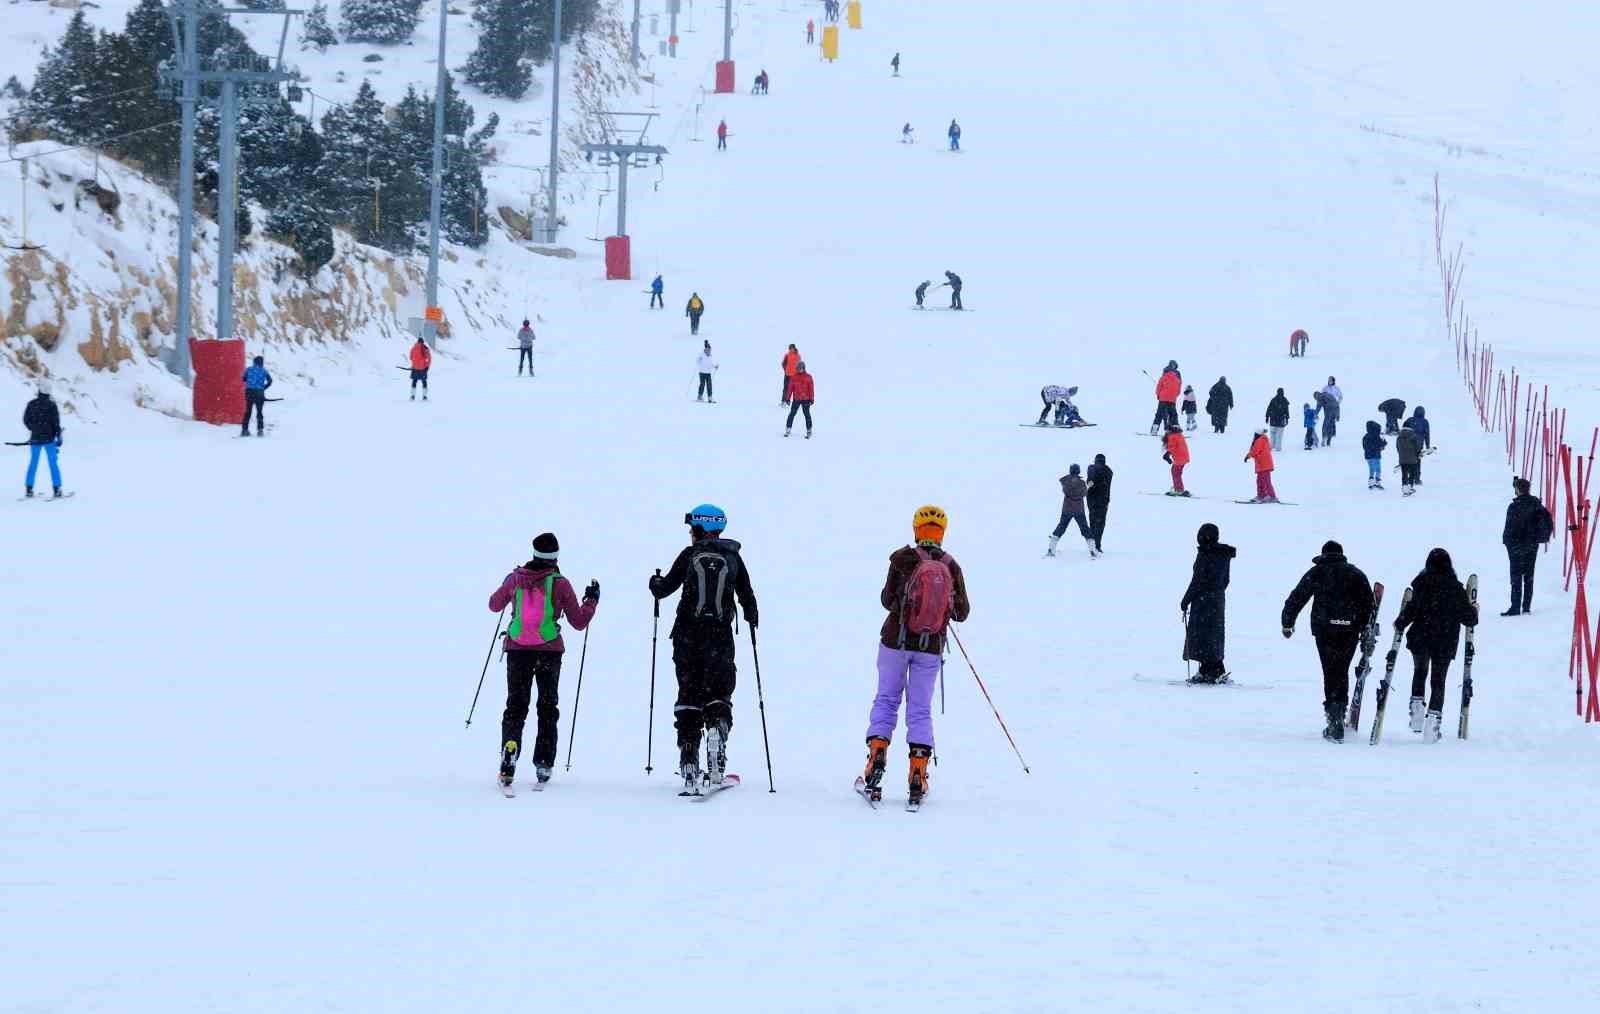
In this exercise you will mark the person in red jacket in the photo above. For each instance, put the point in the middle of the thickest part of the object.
(1297, 344)
(1176, 455)
(802, 392)
(722, 134)
(421, 359)
(811, 32)
(790, 358)
(1168, 388)
(1261, 452)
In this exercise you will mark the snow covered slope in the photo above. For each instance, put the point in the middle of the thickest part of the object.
(247, 786)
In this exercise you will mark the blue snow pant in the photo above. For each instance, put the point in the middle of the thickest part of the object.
(1375, 469)
(33, 463)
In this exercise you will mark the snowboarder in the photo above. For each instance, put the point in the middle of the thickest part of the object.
(706, 363)
(1205, 605)
(1099, 500)
(954, 281)
(1219, 402)
(895, 63)
(802, 392)
(1167, 389)
(525, 348)
(1297, 344)
(1060, 400)
(421, 361)
(1277, 418)
(1528, 526)
(43, 420)
(1073, 491)
(1191, 408)
(1392, 410)
(712, 574)
(954, 133)
(1419, 422)
(811, 32)
(1408, 448)
(1339, 616)
(657, 293)
(722, 135)
(539, 597)
(1372, 446)
(256, 381)
(791, 358)
(922, 290)
(924, 592)
(1309, 416)
(907, 135)
(1436, 611)
(1261, 453)
(693, 310)
(1176, 454)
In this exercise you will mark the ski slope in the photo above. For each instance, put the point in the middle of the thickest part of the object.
(235, 774)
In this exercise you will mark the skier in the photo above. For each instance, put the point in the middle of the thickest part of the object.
(693, 310)
(1392, 410)
(657, 291)
(1419, 422)
(790, 359)
(1059, 399)
(1309, 416)
(1277, 418)
(1343, 609)
(1408, 448)
(761, 83)
(1167, 389)
(256, 381)
(711, 573)
(540, 597)
(1073, 491)
(722, 135)
(525, 348)
(1099, 500)
(895, 63)
(1261, 452)
(43, 420)
(922, 290)
(1528, 526)
(421, 361)
(1176, 454)
(924, 592)
(1205, 605)
(1297, 344)
(954, 134)
(1436, 611)
(706, 363)
(954, 281)
(803, 392)
(907, 135)
(1219, 402)
(1191, 408)
(811, 32)
(1372, 446)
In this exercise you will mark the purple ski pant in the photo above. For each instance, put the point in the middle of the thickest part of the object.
(912, 674)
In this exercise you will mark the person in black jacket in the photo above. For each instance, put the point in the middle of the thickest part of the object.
(1339, 617)
(1372, 445)
(1436, 612)
(954, 281)
(1277, 418)
(43, 420)
(1219, 402)
(711, 573)
(1098, 499)
(1392, 410)
(1205, 604)
(1528, 526)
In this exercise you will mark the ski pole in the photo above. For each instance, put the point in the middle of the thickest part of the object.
(571, 733)
(761, 702)
(650, 734)
(986, 697)
(499, 620)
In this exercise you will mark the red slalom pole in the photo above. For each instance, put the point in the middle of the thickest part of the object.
(986, 697)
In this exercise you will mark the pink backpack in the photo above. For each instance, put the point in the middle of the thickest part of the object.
(929, 592)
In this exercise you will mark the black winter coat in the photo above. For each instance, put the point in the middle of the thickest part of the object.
(1394, 408)
(1278, 411)
(1099, 485)
(1343, 597)
(1206, 600)
(1438, 609)
(43, 420)
(1528, 523)
(1409, 446)
(1220, 400)
(1372, 444)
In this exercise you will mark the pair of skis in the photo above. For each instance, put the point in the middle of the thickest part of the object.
(875, 796)
(1388, 672)
(704, 790)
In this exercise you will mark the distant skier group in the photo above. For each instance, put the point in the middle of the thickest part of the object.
(952, 280)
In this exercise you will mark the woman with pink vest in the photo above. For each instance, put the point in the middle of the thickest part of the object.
(539, 597)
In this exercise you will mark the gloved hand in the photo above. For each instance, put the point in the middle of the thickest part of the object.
(593, 591)
(1390, 658)
(1167, 457)
(752, 618)
(655, 584)
(1288, 632)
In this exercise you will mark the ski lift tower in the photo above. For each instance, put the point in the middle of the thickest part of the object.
(625, 151)
(725, 65)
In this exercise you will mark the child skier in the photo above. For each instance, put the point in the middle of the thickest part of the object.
(1176, 454)
(1372, 446)
(706, 363)
(1059, 399)
(802, 391)
(922, 290)
(954, 133)
(421, 361)
(539, 597)
(693, 309)
(907, 136)
(924, 592)
(1191, 408)
(1073, 491)
(1309, 416)
(712, 574)
(256, 382)
(1261, 453)
(43, 420)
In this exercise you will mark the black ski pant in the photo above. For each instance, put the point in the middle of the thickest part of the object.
(1097, 522)
(705, 387)
(254, 401)
(1067, 518)
(955, 299)
(419, 377)
(799, 406)
(1440, 667)
(787, 380)
(1523, 559)
(702, 654)
(1336, 649)
(1330, 426)
(1391, 424)
(694, 323)
(1410, 475)
(524, 355)
(656, 300)
(1219, 422)
(525, 669)
(1166, 414)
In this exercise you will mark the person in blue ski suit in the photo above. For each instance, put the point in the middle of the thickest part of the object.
(43, 421)
(657, 289)
(256, 382)
(955, 135)
(1310, 417)
(1419, 422)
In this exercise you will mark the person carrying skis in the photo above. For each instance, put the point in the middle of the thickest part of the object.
(1191, 408)
(895, 63)
(1309, 416)
(421, 362)
(711, 572)
(1167, 389)
(539, 597)
(1205, 606)
(256, 381)
(1392, 410)
(706, 363)
(1297, 344)
(1261, 453)
(908, 136)
(1528, 526)
(802, 392)
(924, 592)
(693, 310)
(1408, 448)
(1219, 402)
(954, 281)
(43, 420)
(1372, 446)
(1436, 611)
(722, 135)
(657, 293)
(791, 359)
(1099, 501)
(525, 348)
(922, 290)
(1176, 455)
(1277, 418)
(1073, 492)
(1419, 422)
(1342, 610)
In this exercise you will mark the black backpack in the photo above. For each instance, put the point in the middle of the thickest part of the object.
(708, 585)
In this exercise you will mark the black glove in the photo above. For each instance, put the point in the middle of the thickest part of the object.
(593, 591)
(1390, 658)
(752, 618)
(1167, 458)
(655, 584)
(1288, 632)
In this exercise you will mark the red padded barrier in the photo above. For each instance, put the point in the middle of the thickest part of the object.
(218, 381)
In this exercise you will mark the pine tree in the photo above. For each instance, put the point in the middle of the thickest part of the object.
(62, 103)
(317, 32)
(387, 22)
(13, 89)
(498, 65)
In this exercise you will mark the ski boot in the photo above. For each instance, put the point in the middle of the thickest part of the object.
(508, 762)
(1334, 733)
(716, 752)
(541, 773)
(1051, 549)
(1417, 711)
(27, 493)
(413, 396)
(808, 433)
(1088, 542)
(877, 760)
(689, 767)
(917, 781)
(1430, 726)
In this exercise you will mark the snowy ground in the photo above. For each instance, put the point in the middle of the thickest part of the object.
(248, 788)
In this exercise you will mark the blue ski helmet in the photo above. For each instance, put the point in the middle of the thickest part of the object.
(707, 517)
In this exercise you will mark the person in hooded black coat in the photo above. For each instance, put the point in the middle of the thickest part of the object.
(1436, 612)
(1392, 410)
(1277, 418)
(1205, 604)
(1219, 402)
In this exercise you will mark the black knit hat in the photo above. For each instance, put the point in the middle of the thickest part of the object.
(1208, 534)
(545, 547)
(1332, 548)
